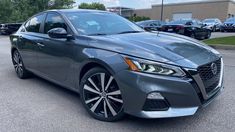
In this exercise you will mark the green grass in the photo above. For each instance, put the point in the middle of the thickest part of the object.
(221, 41)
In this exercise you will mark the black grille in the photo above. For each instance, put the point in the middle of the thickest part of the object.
(155, 105)
(228, 25)
(210, 79)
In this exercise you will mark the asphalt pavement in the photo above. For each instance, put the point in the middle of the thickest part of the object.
(36, 105)
(222, 34)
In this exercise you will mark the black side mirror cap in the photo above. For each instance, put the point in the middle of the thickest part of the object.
(59, 33)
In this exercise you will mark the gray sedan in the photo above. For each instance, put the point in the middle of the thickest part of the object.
(116, 66)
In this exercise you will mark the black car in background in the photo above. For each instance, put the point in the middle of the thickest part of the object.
(9, 28)
(229, 25)
(188, 27)
(151, 25)
(214, 24)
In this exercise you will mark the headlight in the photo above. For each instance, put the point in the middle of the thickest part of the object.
(154, 67)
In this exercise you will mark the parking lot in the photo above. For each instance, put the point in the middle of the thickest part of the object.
(38, 105)
(221, 34)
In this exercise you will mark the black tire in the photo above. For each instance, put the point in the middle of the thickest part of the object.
(214, 29)
(193, 36)
(103, 101)
(208, 35)
(18, 64)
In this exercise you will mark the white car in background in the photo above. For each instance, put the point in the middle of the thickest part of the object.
(214, 24)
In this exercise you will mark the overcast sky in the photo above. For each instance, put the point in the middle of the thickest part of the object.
(134, 3)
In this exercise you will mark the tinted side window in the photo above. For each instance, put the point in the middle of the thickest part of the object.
(157, 23)
(54, 20)
(33, 25)
(199, 22)
(152, 24)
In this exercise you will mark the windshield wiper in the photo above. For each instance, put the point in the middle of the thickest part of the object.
(129, 32)
(97, 34)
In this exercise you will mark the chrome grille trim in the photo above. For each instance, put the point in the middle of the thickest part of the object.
(201, 85)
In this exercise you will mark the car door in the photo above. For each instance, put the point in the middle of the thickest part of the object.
(28, 37)
(55, 55)
(154, 26)
(218, 24)
(198, 30)
(157, 25)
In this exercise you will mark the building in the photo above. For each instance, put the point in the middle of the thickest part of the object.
(221, 9)
(123, 11)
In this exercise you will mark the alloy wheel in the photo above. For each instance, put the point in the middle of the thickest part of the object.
(102, 96)
(18, 64)
(192, 35)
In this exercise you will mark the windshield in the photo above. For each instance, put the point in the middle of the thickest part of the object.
(209, 21)
(179, 22)
(88, 23)
(141, 23)
(230, 20)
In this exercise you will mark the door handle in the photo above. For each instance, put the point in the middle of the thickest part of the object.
(40, 45)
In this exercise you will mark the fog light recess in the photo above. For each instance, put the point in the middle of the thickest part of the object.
(155, 95)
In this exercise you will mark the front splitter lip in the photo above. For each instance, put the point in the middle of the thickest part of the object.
(171, 112)
(176, 112)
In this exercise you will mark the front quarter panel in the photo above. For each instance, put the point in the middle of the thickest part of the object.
(14, 39)
(111, 61)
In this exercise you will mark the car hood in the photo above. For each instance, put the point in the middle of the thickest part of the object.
(209, 24)
(174, 25)
(229, 22)
(160, 47)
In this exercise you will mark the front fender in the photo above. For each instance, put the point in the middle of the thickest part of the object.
(111, 61)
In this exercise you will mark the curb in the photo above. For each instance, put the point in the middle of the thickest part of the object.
(224, 47)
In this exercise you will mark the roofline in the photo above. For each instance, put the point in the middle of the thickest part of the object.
(116, 7)
(194, 2)
(74, 10)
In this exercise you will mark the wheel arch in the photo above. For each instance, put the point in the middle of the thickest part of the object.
(13, 49)
(92, 63)
(111, 61)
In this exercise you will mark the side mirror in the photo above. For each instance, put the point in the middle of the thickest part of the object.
(58, 33)
(189, 23)
(204, 25)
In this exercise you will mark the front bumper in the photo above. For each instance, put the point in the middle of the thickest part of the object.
(228, 28)
(3, 30)
(182, 94)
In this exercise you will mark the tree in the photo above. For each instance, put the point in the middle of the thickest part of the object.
(5, 10)
(21, 10)
(94, 6)
(138, 18)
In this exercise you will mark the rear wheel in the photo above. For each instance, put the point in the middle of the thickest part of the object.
(214, 29)
(208, 35)
(101, 95)
(192, 35)
(19, 65)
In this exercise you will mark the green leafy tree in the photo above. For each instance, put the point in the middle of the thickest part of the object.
(21, 10)
(138, 18)
(94, 6)
(5, 10)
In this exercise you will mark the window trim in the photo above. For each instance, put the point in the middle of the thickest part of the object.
(69, 30)
(42, 24)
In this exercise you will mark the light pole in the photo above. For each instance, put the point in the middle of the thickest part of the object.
(162, 11)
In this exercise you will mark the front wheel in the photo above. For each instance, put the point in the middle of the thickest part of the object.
(19, 65)
(101, 95)
(192, 35)
(214, 29)
(208, 35)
